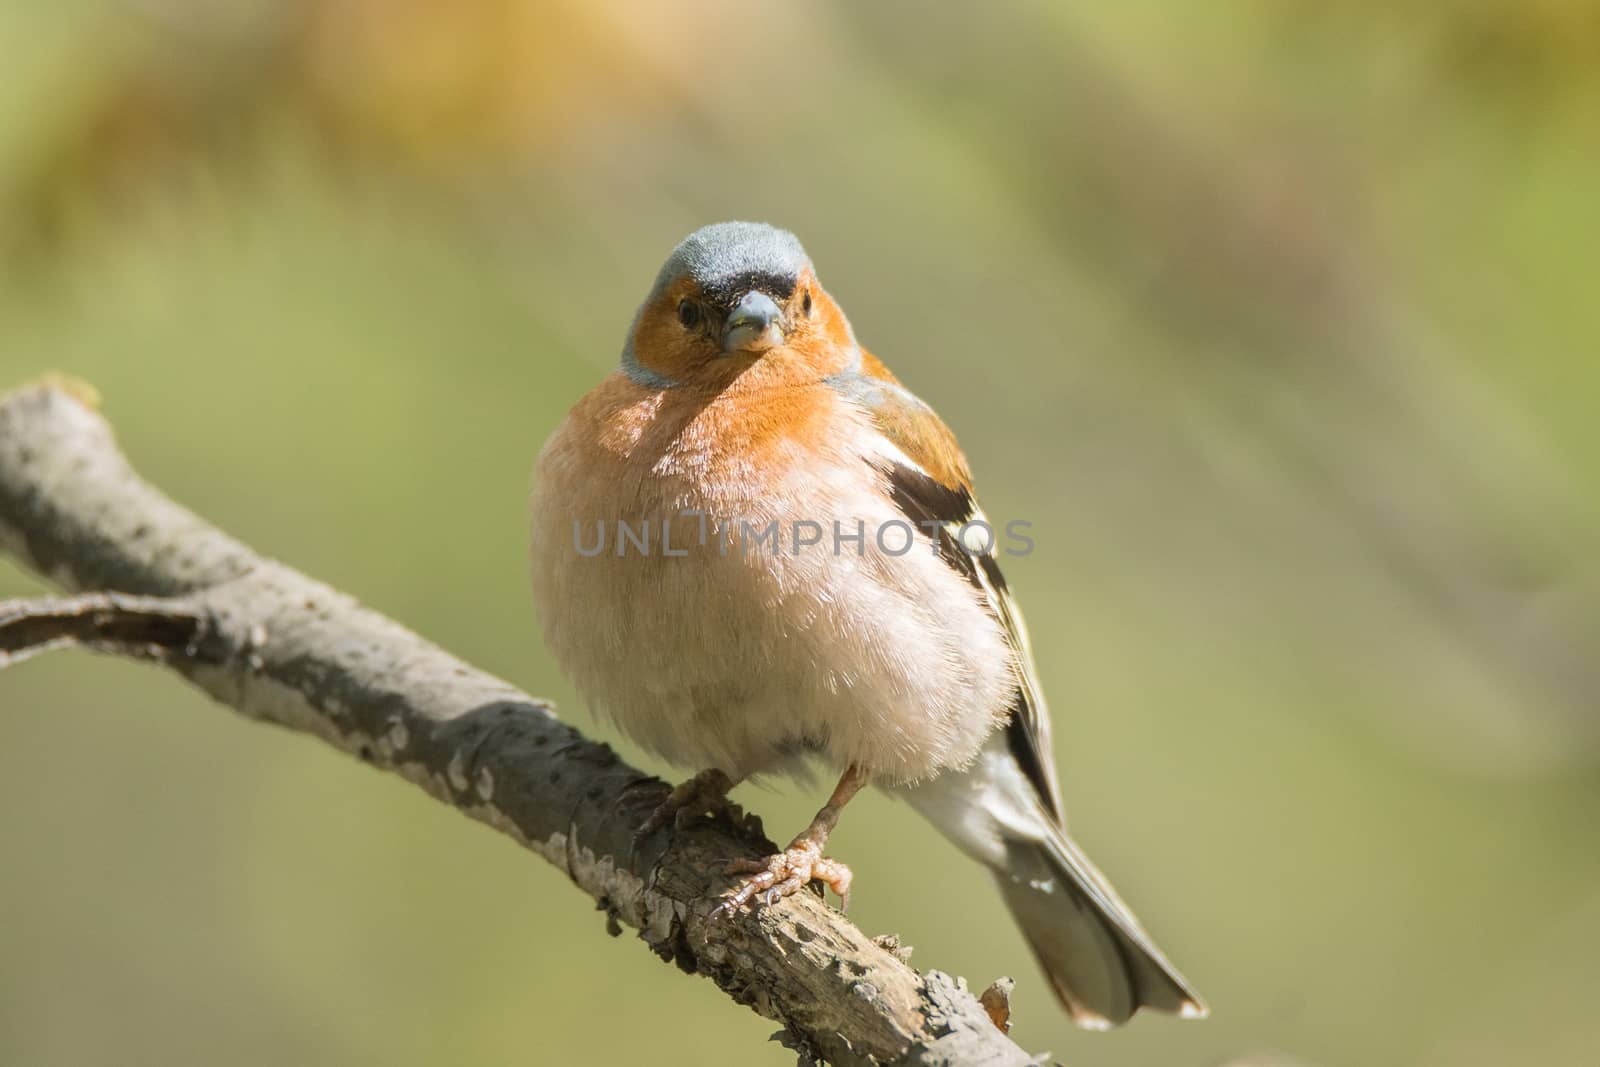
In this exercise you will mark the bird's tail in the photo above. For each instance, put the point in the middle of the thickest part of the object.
(1101, 963)
(1099, 960)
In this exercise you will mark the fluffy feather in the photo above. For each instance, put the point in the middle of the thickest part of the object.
(738, 658)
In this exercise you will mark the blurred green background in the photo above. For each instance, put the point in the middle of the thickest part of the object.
(1277, 322)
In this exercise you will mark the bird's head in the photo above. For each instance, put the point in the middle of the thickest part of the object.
(733, 295)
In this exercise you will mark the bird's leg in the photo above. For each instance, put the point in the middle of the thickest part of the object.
(706, 791)
(802, 862)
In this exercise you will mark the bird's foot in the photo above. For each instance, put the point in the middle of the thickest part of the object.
(705, 793)
(773, 878)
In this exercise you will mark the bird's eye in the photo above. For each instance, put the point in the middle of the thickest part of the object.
(805, 303)
(689, 314)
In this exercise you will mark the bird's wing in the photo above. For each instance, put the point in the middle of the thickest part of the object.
(930, 482)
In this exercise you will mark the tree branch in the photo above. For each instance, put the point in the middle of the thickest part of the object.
(148, 627)
(280, 647)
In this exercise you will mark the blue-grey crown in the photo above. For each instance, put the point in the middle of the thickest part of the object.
(728, 259)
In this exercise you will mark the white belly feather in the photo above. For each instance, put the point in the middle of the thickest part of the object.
(741, 655)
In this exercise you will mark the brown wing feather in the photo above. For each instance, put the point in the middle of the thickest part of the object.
(915, 429)
(936, 485)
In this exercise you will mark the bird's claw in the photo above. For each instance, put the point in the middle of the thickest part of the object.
(706, 792)
(771, 879)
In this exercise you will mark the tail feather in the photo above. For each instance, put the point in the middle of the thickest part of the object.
(1101, 963)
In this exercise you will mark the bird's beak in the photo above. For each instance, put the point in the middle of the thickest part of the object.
(754, 325)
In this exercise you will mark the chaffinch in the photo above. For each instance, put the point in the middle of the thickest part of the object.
(753, 546)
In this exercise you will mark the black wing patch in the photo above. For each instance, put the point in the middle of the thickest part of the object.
(936, 510)
(925, 500)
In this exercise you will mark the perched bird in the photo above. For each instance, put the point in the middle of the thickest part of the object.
(752, 546)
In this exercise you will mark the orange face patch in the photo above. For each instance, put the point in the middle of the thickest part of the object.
(677, 336)
(663, 343)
